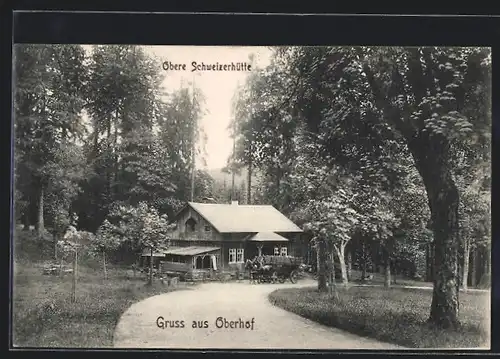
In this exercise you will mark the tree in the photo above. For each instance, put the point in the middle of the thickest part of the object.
(69, 246)
(182, 136)
(67, 169)
(475, 220)
(264, 132)
(377, 221)
(204, 185)
(48, 101)
(109, 238)
(123, 102)
(138, 228)
(422, 97)
(323, 204)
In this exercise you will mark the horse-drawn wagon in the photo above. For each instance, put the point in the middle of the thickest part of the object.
(273, 269)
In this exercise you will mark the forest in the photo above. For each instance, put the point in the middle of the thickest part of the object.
(381, 154)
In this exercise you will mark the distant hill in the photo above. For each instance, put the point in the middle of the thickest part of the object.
(222, 191)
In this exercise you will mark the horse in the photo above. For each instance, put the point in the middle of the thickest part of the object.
(250, 266)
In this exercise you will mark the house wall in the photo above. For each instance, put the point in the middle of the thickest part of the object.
(175, 267)
(225, 246)
(202, 228)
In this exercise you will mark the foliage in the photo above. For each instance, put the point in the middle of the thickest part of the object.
(73, 241)
(135, 227)
(47, 105)
(380, 115)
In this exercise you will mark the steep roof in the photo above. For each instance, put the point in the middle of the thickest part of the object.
(236, 218)
(190, 251)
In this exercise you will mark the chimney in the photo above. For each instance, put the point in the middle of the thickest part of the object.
(234, 203)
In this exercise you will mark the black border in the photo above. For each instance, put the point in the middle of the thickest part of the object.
(246, 29)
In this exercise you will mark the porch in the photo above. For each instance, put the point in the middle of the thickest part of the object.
(192, 262)
(268, 244)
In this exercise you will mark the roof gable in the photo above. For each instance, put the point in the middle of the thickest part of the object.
(229, 218)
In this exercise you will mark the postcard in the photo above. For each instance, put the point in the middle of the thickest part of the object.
(234, 197)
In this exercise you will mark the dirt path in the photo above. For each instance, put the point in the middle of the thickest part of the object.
(273, 328)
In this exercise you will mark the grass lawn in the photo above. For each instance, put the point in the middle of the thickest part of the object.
(398, 280)
(43, 315)
(394, 315)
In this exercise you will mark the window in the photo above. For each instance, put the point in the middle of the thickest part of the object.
(276, 251)
(239, 255)
(232, 255)
(190, 225)
(236, 255)
(284, 251)
(208, 228)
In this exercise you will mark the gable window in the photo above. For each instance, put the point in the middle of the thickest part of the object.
(207, 228)
(232, 255)
(276, 251)
(284, 251)
(190, 225)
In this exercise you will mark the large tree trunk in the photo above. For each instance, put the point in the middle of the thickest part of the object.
(431, 155)
(343, 269)
(40, 222)
(321, 257)
(431, 160)
(465, 268)
(445, 301)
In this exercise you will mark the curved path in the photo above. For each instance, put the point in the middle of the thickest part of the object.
(273, 328)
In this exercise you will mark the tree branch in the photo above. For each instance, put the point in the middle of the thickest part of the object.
(392, 114)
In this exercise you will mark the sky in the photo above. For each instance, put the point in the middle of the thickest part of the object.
(218, 87)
